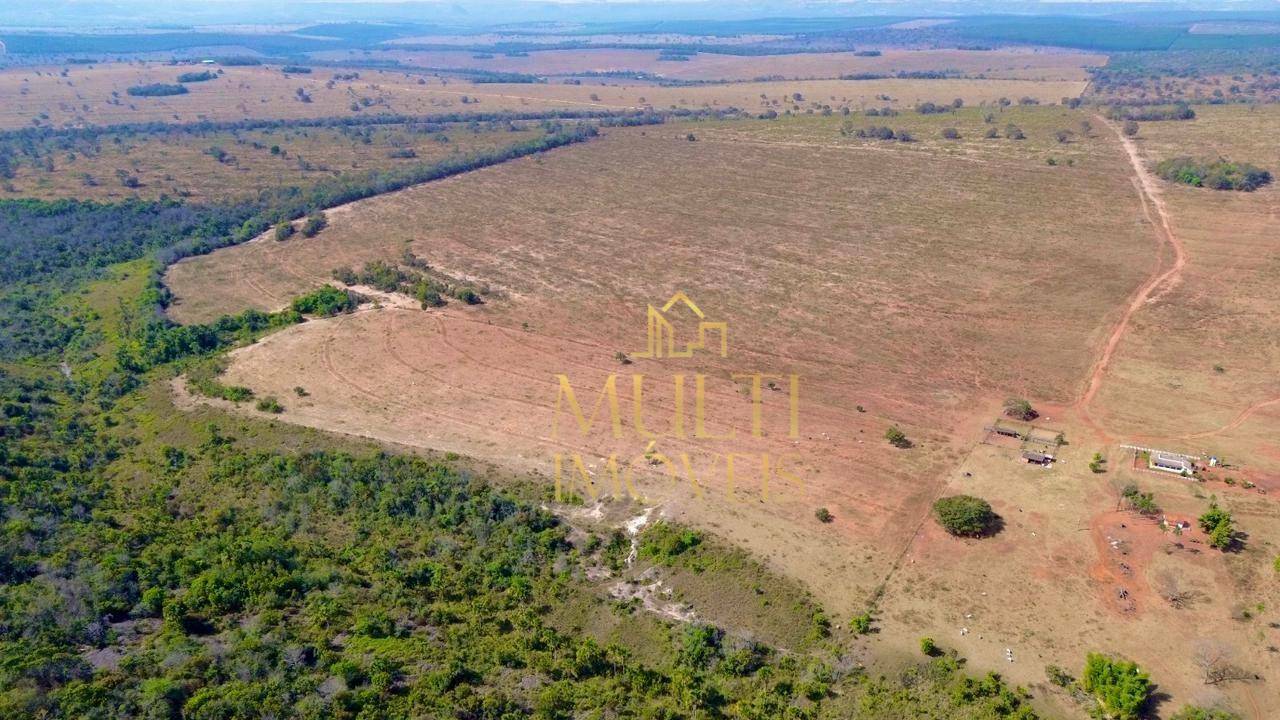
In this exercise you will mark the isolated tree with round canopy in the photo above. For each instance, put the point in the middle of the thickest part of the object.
(965, 515)
(1020, 409)
(1119, 686)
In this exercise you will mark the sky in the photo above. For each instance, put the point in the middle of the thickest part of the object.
(127, 13)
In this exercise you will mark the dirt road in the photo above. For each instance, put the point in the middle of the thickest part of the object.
(1149, 192)
(1161, 281)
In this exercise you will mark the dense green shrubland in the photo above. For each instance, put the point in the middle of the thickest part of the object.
(1220, 174)
(326, 301)
(156, 90)
(195, 77)
(1149, 113)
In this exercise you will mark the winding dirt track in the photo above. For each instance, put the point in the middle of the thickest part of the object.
(1149, 192)
(1161, 281)
(1237, 421)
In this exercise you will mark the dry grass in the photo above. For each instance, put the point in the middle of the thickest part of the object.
(923, 282)
(1049, 585)
(1024, 64)
(914, 280)
(1063, 530)
(84, 96)
(182, 164)
(42, 96)
(1223, 311)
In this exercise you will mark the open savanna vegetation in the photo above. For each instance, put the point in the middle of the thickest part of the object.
(1025, 64)
(918, 311)
(1205, 76)
(98, 95)
(1198, 369)
(344, 378)
(79, 95)
(256, 567)
(1191, 370)
(164, 560)
(814, 95)
(923, 280)
(220, 164)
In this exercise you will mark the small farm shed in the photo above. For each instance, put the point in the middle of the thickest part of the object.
(1010, 429)
(1171, 463)
(1039, 458)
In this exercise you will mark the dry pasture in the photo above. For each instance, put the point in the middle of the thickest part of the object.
(912, 279)
(1073, 571)
(914, 284)
(1221, 311)
(1005, 63)
(185, 164)
(84, 96)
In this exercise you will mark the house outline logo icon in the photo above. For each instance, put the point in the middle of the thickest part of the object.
(662, 336)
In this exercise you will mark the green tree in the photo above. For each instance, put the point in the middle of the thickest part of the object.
(1020, 408)
(896, 437)
(965, 515)
(326, 301)
(315, 222)
(270, 404)
(699, 645)
(1141, 502)
(1098, 463)
(1220, 527)
(1120, 688)
(283, 230)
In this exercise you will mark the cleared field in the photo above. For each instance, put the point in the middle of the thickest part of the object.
(85, 95)
(222, 165)
(97, 95)
(914, 284)
(814, 94)
(818, 264)
(1194, 371)
(1198, 368)
(1005, 63)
